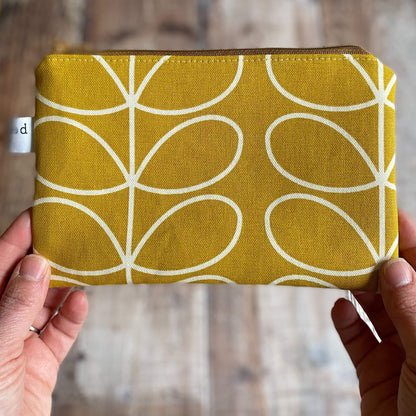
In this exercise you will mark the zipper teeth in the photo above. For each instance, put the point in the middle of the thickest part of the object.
(215, 52)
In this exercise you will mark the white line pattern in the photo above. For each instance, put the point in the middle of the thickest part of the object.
(131, 174)
(338, 211)
(341, 131)
(88, 131)
(309, 104)
(198, 107)
(167, 136)
(68, 280)
(302, 277)
(216, 259)
(77, 191)
(202, 278)
(113, 75)
(80, 111)
(383, 179)
(84, 209)
(381, 175)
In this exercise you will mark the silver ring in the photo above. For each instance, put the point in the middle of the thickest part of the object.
(39, 331)
(35, 330)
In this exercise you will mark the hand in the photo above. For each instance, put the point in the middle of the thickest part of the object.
(386, 370)
(29, 362)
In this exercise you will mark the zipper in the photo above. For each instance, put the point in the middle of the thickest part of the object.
(349, 49)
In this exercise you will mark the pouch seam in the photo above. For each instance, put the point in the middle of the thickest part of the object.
(322, 59)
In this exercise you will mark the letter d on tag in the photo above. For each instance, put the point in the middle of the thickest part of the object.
(20, 135)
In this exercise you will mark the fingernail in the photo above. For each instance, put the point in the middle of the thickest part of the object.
(33, 267)
(397, 273)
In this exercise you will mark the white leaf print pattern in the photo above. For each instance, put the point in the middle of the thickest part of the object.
(381, 174)
(131, 176)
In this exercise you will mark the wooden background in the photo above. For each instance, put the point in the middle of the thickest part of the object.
(203, 350)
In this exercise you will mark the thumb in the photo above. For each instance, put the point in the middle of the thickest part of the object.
(23, 299)
(398, 289)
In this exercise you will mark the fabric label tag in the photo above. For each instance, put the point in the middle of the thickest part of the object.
(20, 135)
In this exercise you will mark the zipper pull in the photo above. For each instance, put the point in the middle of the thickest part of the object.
(21, 135)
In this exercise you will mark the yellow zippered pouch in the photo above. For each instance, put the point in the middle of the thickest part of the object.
(254, 166)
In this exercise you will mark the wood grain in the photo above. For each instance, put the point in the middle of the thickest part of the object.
(349, 22)
(198, 349)
(143, 350)
(27, 33)
(132, 24)
(282, 370)
(267, 23)
(236, 374)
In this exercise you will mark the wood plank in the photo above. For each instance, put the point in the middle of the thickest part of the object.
(20, 53)
(155, 337)
(306, 369)
(143, 350)
(349, 22)
(394, 45)
(235, 363)
(252, 24)
(143, 24)
(369, 23)
(154, 350)
(283, 355)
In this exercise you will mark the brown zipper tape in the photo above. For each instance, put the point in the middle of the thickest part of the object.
(350, 49)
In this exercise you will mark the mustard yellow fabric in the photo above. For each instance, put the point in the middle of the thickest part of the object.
(271, 169)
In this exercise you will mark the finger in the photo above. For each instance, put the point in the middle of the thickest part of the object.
(54, 299)
(63, 329)
(398, 288)
(14, 244)
(356, 336)
(23, 299)
(373, 305)
(407, 238)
